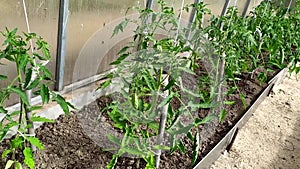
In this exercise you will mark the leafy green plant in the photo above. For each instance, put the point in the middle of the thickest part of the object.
(150, 71)
(247, 45)
(32, 74)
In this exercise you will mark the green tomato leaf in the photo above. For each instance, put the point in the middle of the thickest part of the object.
(242, 97)
(36, 142)
(161, 147)
(28, 77)
(62, 103)
(222, 115)
(123, 50)
(17, 142)
(120, 27)
(204, 120)
(3, 110)
(181, 130)
(29, 159)
(5, 153)
(196, 148)
(113, 162)
(44, 92)
(21, 94)
(23, 62)
(114, 139)
(18, 165)
(46, 71)
(190, 136)
(41, 119)
(33, 84)
(120, 59)
(33, 108)
(104, 84)
(229, 102)
(3, 77)
(132, 151)
(4, 131)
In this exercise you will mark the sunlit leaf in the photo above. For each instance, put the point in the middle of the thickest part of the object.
(29, 159)
(9, 163)
(5, 153)
(36, 142)
(161, 147)
(112, 162)
(41, 119)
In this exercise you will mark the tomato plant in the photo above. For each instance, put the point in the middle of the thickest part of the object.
(150, 70)
(32, 74)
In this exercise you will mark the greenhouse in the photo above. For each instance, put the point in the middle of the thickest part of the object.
(132, 84)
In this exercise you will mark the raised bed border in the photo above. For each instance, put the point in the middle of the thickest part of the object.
(228, 139)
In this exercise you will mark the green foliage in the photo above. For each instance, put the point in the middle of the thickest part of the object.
(32, 74)
(150, 69)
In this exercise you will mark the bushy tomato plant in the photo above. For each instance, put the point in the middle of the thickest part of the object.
(32, 75)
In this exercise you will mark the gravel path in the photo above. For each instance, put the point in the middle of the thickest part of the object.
(271, 138)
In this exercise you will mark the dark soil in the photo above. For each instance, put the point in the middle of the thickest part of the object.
(68, 145)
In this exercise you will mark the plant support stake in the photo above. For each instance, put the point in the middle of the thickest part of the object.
(61, 44)
(162, 126)
(28, 114)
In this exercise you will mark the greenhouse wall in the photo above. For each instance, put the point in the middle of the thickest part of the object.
(90, 23)
(43, 20)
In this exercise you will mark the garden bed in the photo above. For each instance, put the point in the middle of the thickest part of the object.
(67, 145)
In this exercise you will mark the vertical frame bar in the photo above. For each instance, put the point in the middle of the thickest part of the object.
(246, 8)
(149, 4)
(192, 19)
(193, 14)
(61, 44)
(226, 5)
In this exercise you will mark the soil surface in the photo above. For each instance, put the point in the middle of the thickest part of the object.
(271, 138)
(68, 145)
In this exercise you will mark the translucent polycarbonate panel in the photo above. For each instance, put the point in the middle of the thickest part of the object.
(177, 5)
(90, 47)
(252, 5)
(240, 4)
(216, 7)
(43, 20)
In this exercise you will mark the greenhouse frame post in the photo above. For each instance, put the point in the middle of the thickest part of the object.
(246, 8)
(149, 4)
(192, 19)
(61, 44)
(226, 5)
